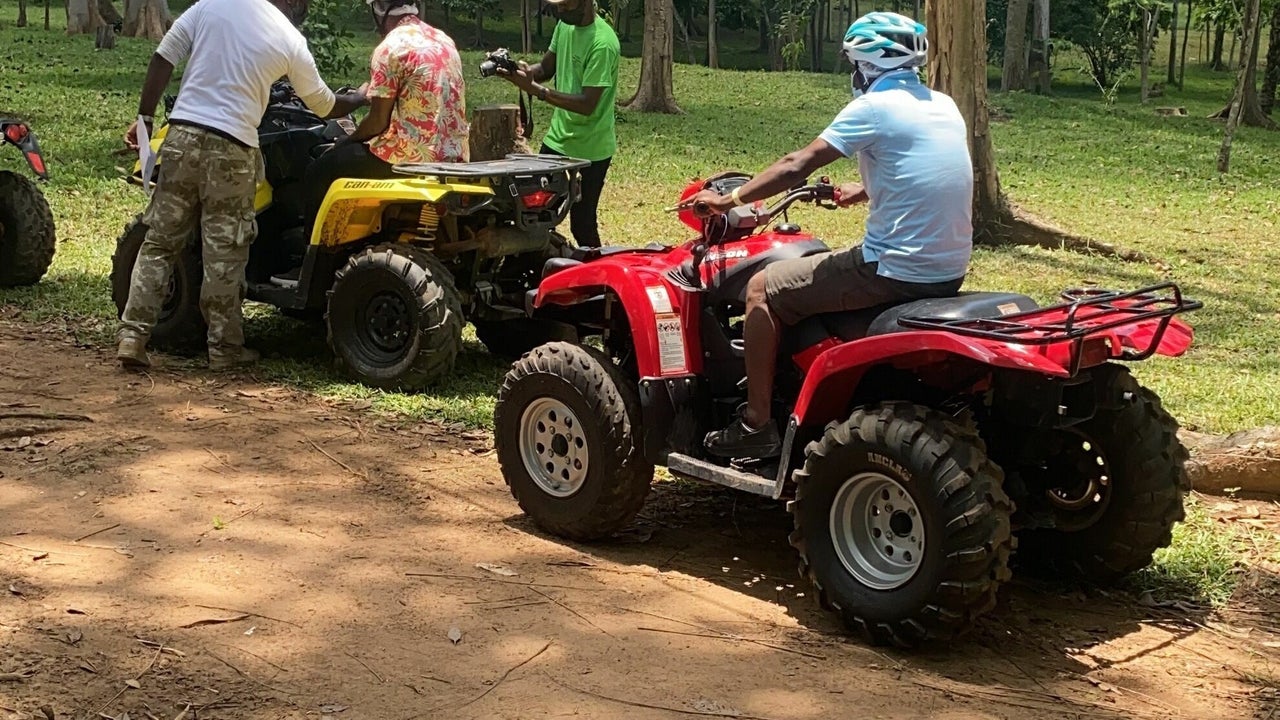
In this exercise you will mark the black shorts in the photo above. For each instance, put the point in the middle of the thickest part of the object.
(836, 282)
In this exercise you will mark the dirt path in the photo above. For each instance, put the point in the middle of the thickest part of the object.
(341, 550)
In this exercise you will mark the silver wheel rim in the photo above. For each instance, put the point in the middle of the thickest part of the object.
(877, 531)
(553, 446)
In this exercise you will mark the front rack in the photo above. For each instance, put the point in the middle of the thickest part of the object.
(1086, 312)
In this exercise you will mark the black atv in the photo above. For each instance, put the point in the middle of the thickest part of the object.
(27, 237)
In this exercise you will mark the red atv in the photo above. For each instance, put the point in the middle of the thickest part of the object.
(919, 439)
(26, 224)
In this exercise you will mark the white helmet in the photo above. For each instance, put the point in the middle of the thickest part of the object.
(886, 41)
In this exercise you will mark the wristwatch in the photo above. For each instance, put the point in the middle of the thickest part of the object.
(542, 93)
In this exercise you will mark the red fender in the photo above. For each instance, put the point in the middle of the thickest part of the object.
(834, 374)
(650, 301)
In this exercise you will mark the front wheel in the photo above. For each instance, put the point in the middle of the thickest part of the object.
(902, 525)
(27, 237)
(395, 318)
(567, 431)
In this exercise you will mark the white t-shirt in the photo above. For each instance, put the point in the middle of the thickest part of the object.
(236, 50)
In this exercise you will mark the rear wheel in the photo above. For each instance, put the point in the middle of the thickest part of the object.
(395, 318)
(1115, 485)
(902, 525)
(180, 325)
(27, 236)
(567, 431)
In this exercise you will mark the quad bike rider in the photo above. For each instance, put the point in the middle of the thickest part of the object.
(392, 266)
(27, 237)
(924, 440)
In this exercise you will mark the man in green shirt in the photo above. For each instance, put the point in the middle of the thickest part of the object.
(583, 60)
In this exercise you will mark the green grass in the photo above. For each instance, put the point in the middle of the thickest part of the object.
(1118, 173)
(1203, 565)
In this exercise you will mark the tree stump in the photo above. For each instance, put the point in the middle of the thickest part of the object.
(106, 38)
(495, 132)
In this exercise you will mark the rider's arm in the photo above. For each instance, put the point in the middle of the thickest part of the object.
(789, 171)
(158, 73)
(376, 122)
(174, 48)
(851, 130)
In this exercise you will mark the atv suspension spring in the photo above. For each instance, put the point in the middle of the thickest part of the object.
(428, 221)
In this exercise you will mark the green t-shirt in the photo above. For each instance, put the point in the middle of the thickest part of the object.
(585, 57)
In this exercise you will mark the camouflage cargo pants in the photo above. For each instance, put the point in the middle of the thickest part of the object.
(211, 181)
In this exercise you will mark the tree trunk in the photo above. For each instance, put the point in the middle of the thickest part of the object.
(713, 36)
(82, 17)
(1171, 75)
(526, 37)
(1233, 63)
(1219, 35)
(1041, 76)
(1186, 33)
(1144, 63)
(540, 23)
(1244, 81)
(495, 132)
(683, 29)
(146, 19)
(106, 37)
(1014, 76)
(959, 68)
(479, 41)
(656, 93)
(1250, 107)
(764, 33)
(1272, 78)
(22, 13)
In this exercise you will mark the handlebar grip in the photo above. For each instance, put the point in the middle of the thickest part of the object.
(702, 208)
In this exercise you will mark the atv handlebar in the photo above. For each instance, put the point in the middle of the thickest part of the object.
(822, 193)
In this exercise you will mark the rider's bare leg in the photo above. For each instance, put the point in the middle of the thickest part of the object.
(760, 336)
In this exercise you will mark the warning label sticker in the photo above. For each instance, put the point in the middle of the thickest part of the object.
(670, 344)
(659, 299)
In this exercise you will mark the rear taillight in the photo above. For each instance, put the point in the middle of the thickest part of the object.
(537, 199)
(16, 133)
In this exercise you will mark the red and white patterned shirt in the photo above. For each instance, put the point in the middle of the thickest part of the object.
(418, 67)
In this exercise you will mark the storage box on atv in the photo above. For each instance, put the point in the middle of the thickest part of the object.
(536, 191)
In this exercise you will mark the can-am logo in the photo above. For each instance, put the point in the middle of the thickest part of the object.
(736, 254)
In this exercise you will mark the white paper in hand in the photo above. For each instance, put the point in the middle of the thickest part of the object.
(146, 157)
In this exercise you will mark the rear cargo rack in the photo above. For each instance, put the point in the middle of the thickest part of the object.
(1086, 312)
(515, 164)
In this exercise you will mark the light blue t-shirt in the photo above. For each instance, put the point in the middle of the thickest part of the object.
(913, 155)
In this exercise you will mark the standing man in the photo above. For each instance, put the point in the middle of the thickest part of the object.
(210, 162)
(912, 149)
(417, 105)
(583, 59)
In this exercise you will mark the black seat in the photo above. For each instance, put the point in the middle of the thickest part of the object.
(556, 264)
(883, 319)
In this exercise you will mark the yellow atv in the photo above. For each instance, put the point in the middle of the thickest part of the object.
(394, 267)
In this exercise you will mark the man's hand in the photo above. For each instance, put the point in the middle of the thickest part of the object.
(131, 135)
(521, 78)
(707, 203)
(851, 194)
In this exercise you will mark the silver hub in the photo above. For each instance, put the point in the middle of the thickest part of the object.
(553, 447)
(877, 531)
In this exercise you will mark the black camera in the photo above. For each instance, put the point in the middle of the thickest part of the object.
(499, 59)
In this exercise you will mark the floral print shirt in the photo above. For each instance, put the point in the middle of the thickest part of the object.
(418, 67)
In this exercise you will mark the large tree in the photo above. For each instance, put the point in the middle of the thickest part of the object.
(656, 92)
(1245, 106)
(1244, 82)
(147, 19)
(958, 67)
(1272, 77)
(1014, 75)
(82, 17)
